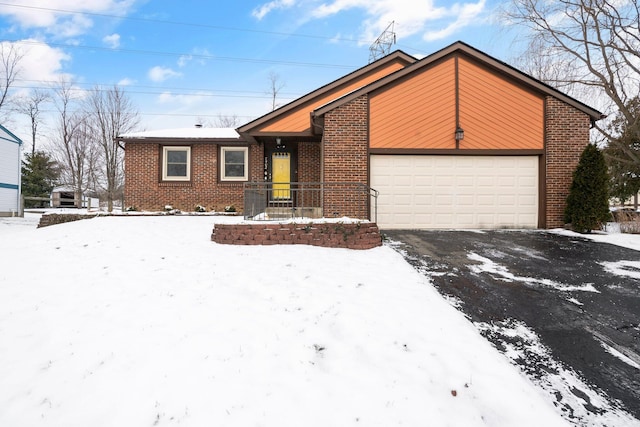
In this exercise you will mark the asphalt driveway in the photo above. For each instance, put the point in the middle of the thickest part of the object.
(565, 309)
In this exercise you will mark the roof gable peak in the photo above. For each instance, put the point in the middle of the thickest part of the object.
(485, 59)
(395, 56)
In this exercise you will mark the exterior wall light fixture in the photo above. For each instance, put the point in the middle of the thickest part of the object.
(459, 134)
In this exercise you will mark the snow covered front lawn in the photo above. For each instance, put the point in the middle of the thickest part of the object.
(143, 321)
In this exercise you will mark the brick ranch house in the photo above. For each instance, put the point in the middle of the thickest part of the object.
(457, 139)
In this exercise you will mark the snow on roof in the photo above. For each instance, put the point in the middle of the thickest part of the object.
(188, 133)
(63, 189)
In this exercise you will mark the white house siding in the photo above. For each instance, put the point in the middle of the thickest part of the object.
(9, 173)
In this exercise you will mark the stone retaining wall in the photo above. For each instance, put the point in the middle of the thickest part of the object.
(53, 219)
(330, 235)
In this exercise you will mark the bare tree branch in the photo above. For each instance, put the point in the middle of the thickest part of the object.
(10, 58)
(73, 146)
(275, 85)
(112, 114)
(227, 121)
(597, 43)
(31, 106)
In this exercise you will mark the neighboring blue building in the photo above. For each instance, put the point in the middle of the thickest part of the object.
(10, 165)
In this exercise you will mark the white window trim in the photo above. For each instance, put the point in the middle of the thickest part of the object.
(223, 176)
(164, 163)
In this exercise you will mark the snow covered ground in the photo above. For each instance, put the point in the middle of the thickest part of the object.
(143, 321)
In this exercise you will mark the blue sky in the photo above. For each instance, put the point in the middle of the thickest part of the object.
(189, 59)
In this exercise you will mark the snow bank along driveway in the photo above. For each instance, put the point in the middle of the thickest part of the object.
(145, 322)
(566, 310)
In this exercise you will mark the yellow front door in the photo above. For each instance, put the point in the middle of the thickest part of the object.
(281, 175)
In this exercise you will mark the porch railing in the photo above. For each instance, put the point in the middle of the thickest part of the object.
(277, 201)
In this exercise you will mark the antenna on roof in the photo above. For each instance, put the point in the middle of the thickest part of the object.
(382, 45)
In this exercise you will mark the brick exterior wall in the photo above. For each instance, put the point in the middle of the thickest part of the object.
(346, 155)
(345, 145)
(566, 135)
(329, 235)
(144, 189)
(309, 160)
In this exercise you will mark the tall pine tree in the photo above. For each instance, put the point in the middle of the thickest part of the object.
(39, 174)
(588, 202)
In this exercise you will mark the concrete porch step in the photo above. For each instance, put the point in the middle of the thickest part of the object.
(286, 212)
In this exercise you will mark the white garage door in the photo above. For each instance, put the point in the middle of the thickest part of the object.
(456, 191)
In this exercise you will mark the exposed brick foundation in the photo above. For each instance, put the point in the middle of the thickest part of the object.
(330, 235)
(566, 136)
(144, 190)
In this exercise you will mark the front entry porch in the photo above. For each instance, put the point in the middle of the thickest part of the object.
(266, 201)
(293, 186)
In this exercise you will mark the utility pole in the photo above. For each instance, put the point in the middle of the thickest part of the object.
(382, 46)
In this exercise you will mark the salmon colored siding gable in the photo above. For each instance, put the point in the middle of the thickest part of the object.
(496, 113)
(420, 111)
(416, 113)
(298, 120)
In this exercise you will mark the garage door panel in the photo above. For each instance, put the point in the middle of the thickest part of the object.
(445, 219)
(466, 219)
(465, 200)
(507, 200)
(423, 218)
(402, 200)
(444, 199)
(528, 181)
(456, 191)
(486, 201)
(423, 200)
(464, 181)
(531, 201)
(508, 181)
(402, 180)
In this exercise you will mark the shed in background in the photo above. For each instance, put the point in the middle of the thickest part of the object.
(64, 197)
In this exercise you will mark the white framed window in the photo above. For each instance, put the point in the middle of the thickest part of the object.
(234, 163)
(176, 163)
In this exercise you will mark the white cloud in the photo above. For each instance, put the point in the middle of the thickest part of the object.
(262, 11)
(434, 19)
(466, 14)
(126, 82)
(40, 62)
(160, 74)
(41, 66)
(184, 60)
(49, 15)
(336, 39)
(113, 41)
(185, 100)
(198, 55)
